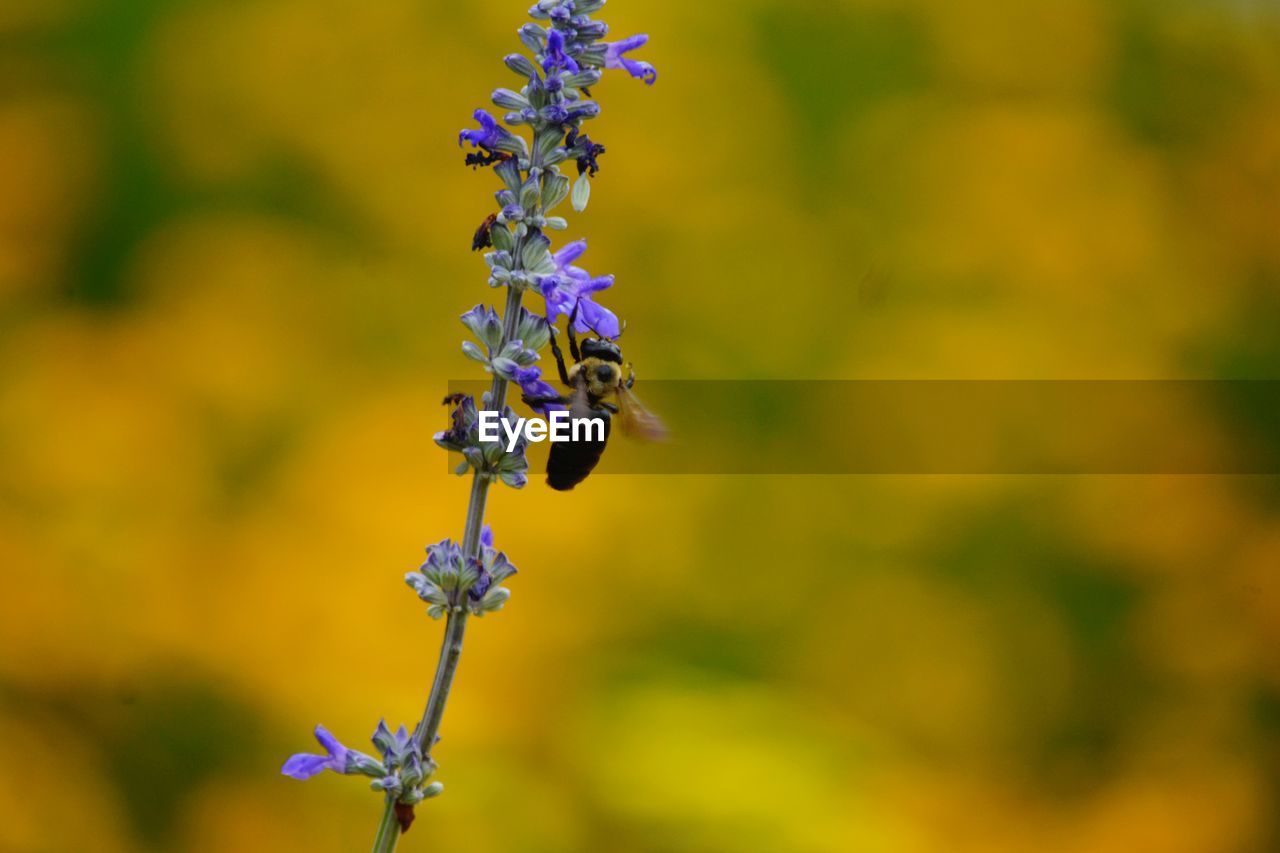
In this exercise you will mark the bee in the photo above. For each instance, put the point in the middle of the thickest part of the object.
(598, 389)
(483, 238)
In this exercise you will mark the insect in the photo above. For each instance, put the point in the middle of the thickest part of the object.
(480, 159)
(598, 390)
(484, 234)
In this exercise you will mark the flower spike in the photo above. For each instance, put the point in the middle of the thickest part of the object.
(533, 144)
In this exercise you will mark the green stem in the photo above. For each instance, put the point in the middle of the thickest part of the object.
(388, 829)
(456, 626)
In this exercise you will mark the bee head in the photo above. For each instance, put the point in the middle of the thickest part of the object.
(601, 349)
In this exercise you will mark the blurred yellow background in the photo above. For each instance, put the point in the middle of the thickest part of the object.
(233, 250)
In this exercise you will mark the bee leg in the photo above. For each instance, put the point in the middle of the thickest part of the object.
(573, 339)
(609, 407)
(555, 351)
(631, 377)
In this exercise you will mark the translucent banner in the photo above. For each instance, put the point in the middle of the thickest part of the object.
(949, 427)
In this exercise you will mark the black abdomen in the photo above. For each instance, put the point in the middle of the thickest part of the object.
(571, 461)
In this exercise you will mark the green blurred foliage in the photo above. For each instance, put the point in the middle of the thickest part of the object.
(233, 247)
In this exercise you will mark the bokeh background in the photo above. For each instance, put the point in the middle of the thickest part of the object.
(233, 248)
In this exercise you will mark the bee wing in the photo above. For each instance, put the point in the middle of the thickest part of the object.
(637, 421)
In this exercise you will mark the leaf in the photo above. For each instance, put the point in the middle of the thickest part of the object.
(555, 188)
(501, 237)
(581, 192)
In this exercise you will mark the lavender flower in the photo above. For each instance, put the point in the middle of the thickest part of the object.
(404, 767)
(338, 758)
(450, 581)
(389, 743)
(304, 765)
(554, 59)
(486, 595)
(492, 136)
(570, 288)
(504, 359)
(489, 459)
(615, 57)
(463, 417)
(534, 388)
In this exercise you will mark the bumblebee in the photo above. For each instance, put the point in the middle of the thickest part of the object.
(598, 389)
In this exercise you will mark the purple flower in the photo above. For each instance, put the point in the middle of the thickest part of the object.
(597, 318)
(491, 136)
(614, 58)
(486, 136)
(491, 568)
(304, 765)
(484, 580)
(570, 287)
(387, 743)
(569, 253)
(463, 417)
(554, 57)
(534, 388)
(444, 559)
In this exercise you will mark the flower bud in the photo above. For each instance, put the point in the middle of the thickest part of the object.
(520, 64)
(534, 37)
(509, 100)
(581, 192)
(365, 765)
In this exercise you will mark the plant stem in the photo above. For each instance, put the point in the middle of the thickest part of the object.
(455, 629)
(456, 625)
(388, 829)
